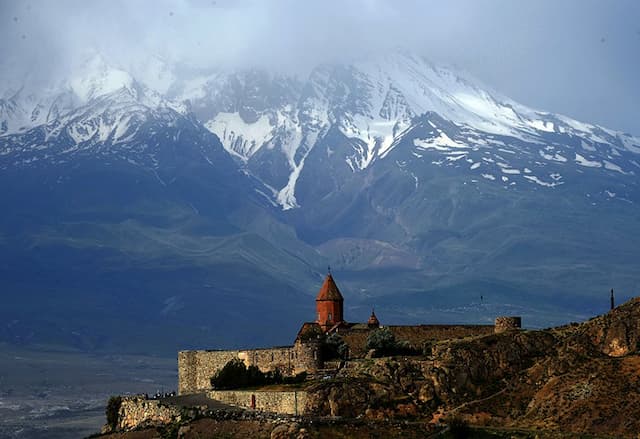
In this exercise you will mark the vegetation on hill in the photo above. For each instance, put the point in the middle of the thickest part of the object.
(385, 344)
(236, 375)
(112, 410)
(333, 347)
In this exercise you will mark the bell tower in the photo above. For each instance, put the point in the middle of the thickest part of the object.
(329, 304)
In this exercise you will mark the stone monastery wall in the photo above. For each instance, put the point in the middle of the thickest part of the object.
(291, 403)
(195, 368)
(282, 358)
(416, 335)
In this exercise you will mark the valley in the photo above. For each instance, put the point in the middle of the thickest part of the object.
(57, 392)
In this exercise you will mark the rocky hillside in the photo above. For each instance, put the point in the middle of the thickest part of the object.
(581, 378)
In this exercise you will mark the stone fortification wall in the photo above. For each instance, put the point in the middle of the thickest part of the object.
(137, 411)
(416, 335)
(507, 324)
(267, 359)
(307, 356)
(195, 368)
(291, 403)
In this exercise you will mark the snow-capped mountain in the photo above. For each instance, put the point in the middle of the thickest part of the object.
(424, 187)
(21, 109)
(272, 123)
(99, 111)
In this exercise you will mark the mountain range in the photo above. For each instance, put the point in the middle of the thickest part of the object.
(199, 208)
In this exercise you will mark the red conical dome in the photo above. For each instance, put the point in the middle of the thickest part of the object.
(329, 304)
(329, 290)
(373, 321)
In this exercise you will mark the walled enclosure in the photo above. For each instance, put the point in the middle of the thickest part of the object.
(196, 368)
(417, 336)
(291, 403)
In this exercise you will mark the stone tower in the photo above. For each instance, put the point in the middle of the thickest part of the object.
(329, 303)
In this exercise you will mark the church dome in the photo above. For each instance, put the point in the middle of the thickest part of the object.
(329, 290)
(373, 321)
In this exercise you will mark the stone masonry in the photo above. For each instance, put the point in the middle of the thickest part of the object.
(136, 411)
(196, 368)
(507, 323)
(286, 402)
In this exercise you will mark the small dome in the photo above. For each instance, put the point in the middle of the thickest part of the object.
(373, 320)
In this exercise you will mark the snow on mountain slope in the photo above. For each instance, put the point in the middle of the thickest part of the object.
(374, 103)
(242, 139)
(26, 108)
(551, 160)
(96, 78)
(125, 124)
(32, 106)
(272, 123)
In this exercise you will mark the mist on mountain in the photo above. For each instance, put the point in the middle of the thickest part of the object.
(574, 58)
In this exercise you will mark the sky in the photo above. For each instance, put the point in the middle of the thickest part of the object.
(580, 58)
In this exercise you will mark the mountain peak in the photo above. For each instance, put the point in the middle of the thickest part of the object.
(97, 78)
(355, 115)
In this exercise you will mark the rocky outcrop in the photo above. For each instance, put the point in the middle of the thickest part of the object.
(291, 430)
(616, 333)
(459, 371)
(353, 398)
(582, 378)
(138, 411)
(478, 368)
(208, 428)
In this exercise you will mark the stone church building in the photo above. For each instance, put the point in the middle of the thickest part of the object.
(195, 368)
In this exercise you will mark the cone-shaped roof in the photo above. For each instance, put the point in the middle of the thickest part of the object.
(373, 320)
(329, 290)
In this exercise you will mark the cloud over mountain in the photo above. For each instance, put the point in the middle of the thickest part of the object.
(575, 57)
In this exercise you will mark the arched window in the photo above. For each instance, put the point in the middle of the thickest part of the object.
(330, 317)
